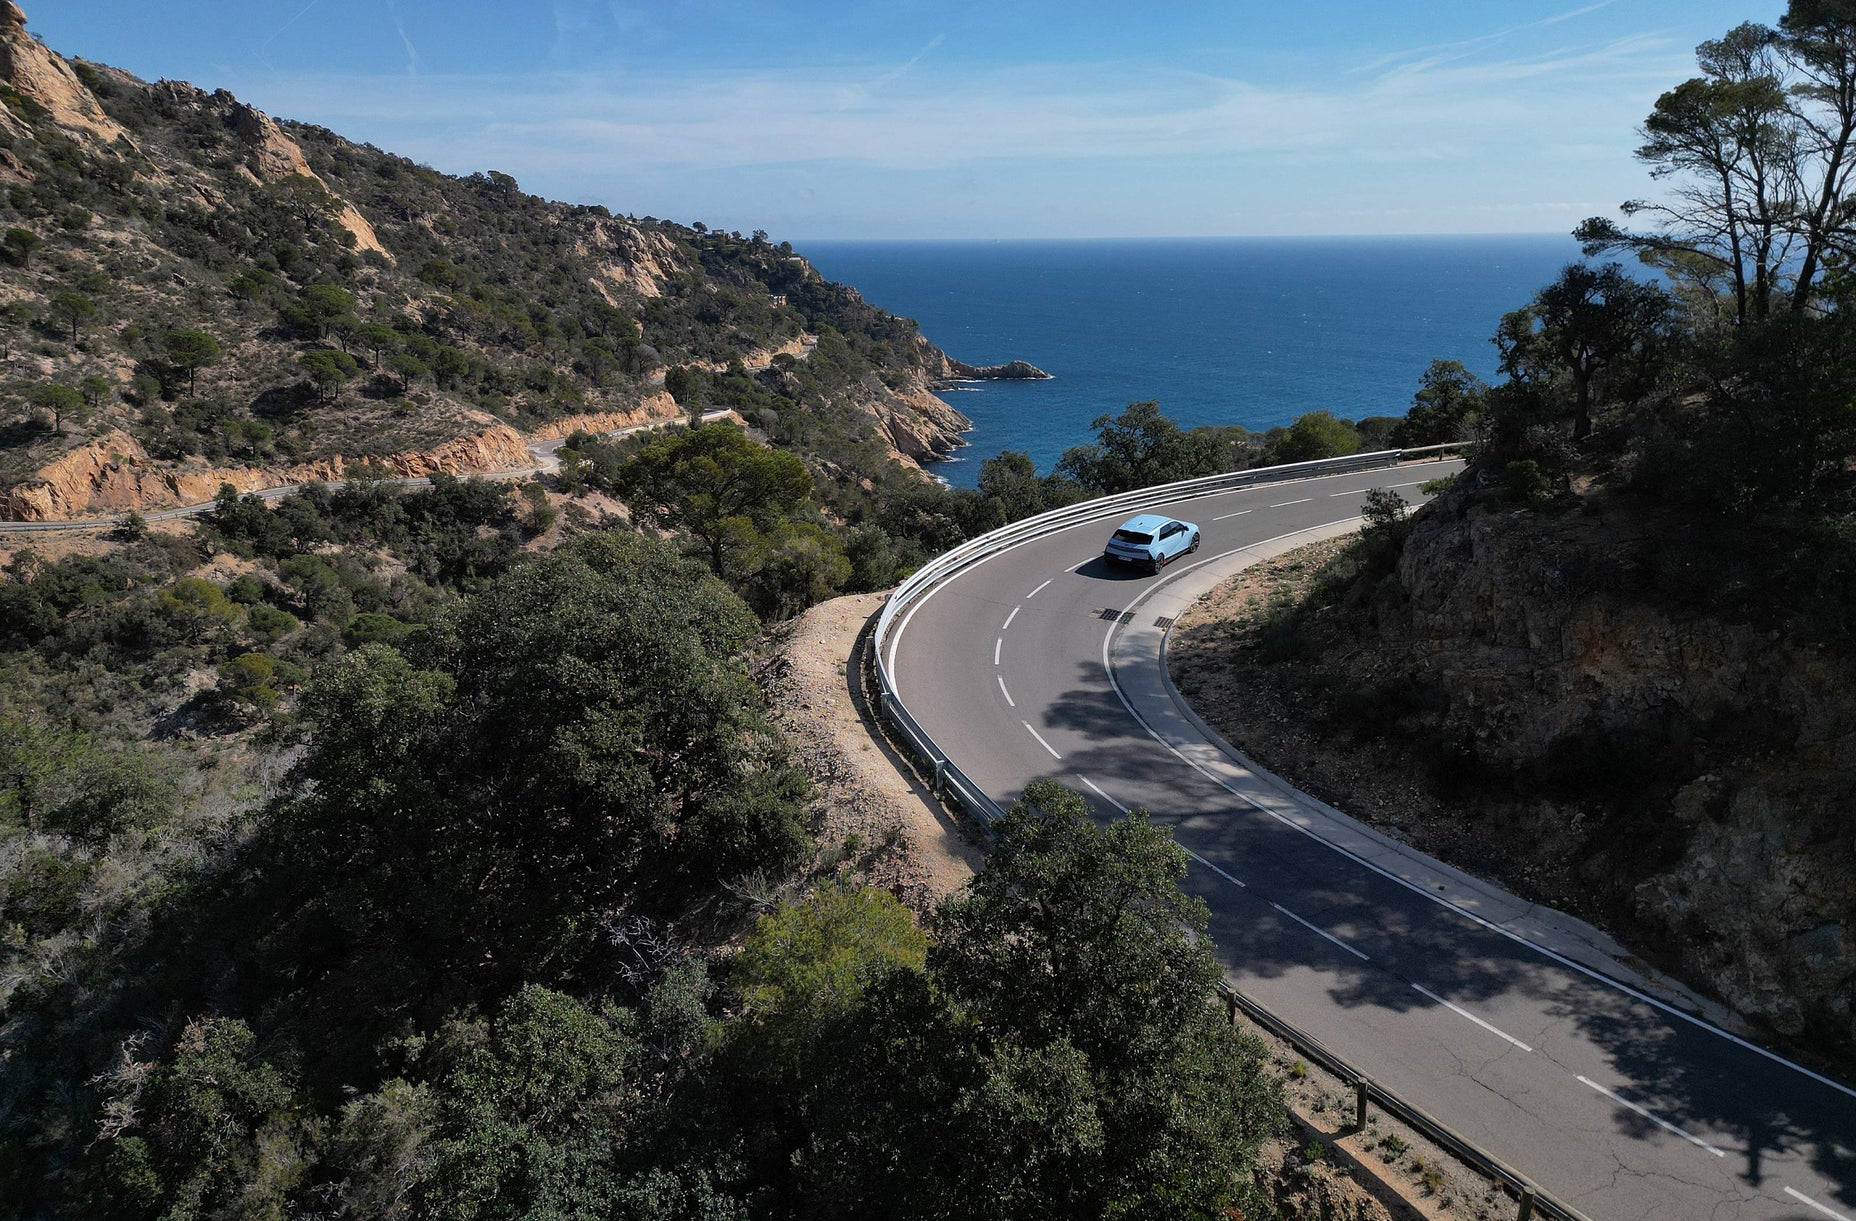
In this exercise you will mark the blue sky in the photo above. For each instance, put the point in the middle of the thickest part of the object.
(903, 118)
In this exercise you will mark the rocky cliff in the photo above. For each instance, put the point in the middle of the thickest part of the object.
(41, 78)
(272, 157)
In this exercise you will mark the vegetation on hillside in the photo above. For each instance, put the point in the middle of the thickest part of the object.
(379, 852)
(386, 853)
(1662, 498)
(233, 291)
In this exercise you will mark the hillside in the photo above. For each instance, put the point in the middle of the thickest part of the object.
(194, 293)
(1600, 704)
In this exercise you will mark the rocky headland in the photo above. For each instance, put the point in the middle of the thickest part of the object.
(357, 308)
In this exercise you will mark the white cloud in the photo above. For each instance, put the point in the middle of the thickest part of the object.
(1442, 115)
(1038, 112)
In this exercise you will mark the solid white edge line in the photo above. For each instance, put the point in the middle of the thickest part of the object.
(1229, 516)
(1110, 514)
(1285, 504)
(1034, 593)
(1010, 617)
(1041, 742)
(895, 641)
(1441, 901)
(1553, 955)
(1377, 487)
(1320, 932)
(1010, 702)
(1462, 1012)
(1654, 1118)
(1099, 793)
(1810, 1203)
(996, 646)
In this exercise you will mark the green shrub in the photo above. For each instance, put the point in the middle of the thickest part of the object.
(372, 627)
(1524, 481)
(268, 624)
(249, 679)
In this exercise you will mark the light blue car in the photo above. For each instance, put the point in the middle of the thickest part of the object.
(1151, 540)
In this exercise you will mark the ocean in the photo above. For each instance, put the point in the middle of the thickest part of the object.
(1250, 331)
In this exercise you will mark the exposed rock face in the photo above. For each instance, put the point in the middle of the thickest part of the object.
(1527, 695)
(114, 473)
(37, 74)
(630, 259)
(920, 427)
(1749, 874)
(653, 410)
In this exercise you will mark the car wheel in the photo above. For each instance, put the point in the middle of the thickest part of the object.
(1195, 545)
(1159, 562)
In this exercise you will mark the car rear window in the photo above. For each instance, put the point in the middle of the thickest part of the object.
(1131, 536)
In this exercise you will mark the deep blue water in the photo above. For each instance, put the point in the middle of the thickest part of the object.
(1251, 331)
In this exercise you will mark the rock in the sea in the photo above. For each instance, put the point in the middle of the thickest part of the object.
(1011, 371)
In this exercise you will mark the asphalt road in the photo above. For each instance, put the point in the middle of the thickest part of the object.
(1613, 1103)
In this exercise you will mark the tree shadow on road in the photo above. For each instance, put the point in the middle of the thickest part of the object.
(1755, 1108)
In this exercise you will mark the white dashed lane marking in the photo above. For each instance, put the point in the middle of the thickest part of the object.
(996, 646)
(1097, 790)
(1041, 742)
(1034, 593)
(1010, 617)
(1221, 873)
(1007, 694)
(1099, 793)
(1356, 491)
(1658, 1120)
(1285, 504)
(1808, 1202)
(1320, 932)
(1462, 1012)
(1229, 516)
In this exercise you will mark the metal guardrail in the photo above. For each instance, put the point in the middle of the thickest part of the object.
(947, 774)
(1529, 1200)
(951, 783)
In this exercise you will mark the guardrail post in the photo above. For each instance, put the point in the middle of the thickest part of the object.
(1230, 1007)
(1362, 1092)
(1526, 1211)
(940, 777)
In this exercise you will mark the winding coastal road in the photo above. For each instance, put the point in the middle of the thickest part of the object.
(1513, 1025)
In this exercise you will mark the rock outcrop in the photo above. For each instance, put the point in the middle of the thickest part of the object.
(42, 78)
(274, 156)
(653, 410)
(629, 260)
(114, 473)
(919, 426)
(1747, 875)
(1533, 696)
(1011, 371)
(942, 369)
